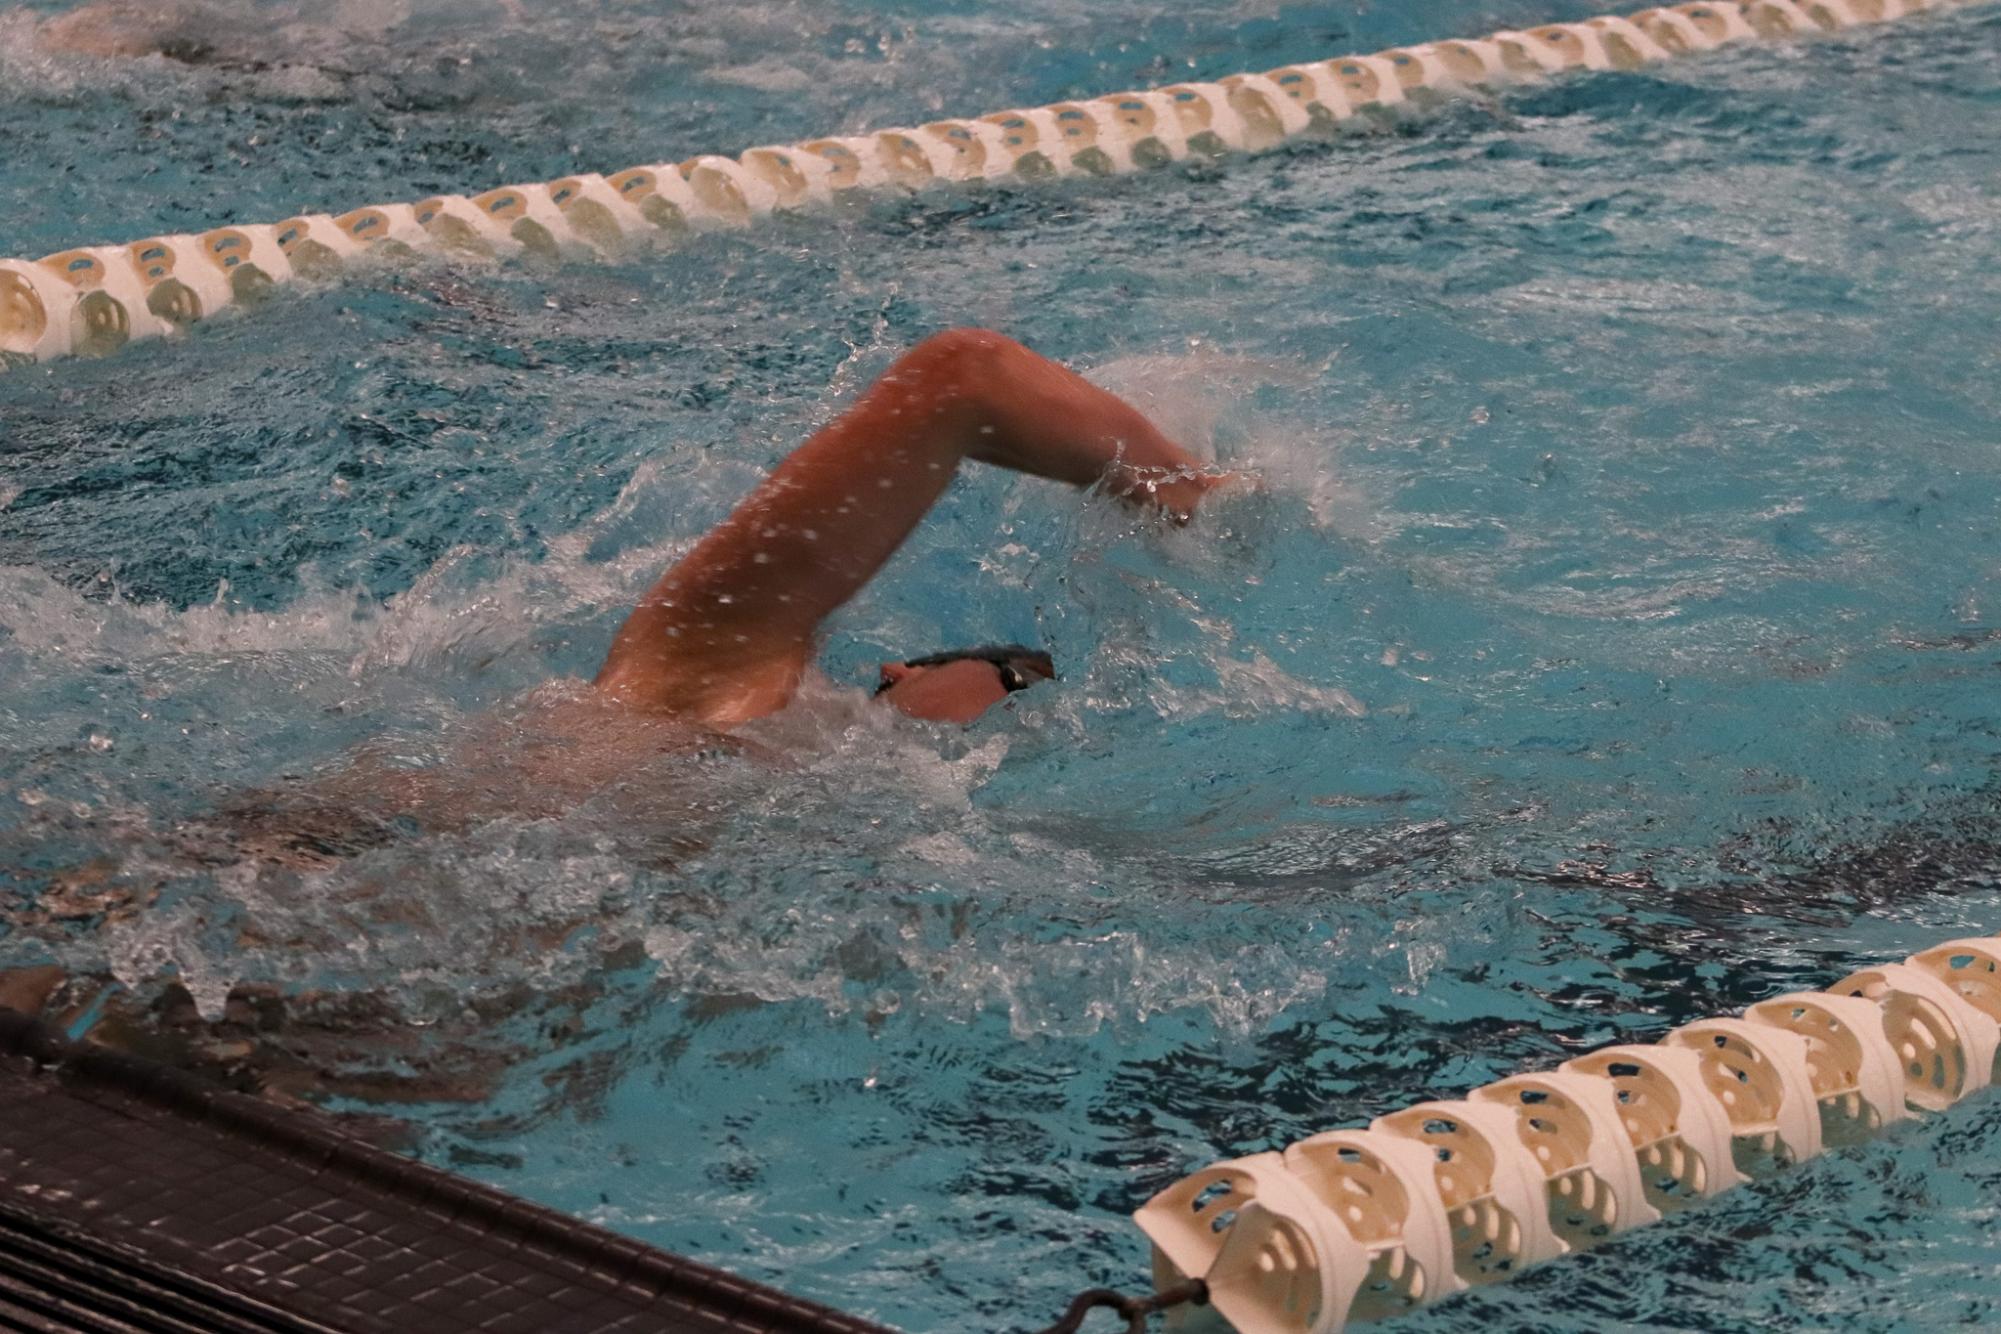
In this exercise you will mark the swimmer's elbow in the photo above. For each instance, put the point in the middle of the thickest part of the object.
(958, 348)
(962, 362)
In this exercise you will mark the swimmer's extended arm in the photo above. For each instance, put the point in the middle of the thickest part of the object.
(726, 633)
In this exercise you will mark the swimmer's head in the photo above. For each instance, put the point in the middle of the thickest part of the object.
(959, 686)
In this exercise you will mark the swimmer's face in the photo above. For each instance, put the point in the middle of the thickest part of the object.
(960, 690)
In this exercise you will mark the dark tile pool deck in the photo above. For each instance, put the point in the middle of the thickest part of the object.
(134, 1197)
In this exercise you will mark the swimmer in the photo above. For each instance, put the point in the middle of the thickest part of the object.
(726, 636)
(729, 633)
(118, 29)
(346, 39)
(235, 38)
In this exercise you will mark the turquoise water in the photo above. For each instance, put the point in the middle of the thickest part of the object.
(1611, 640)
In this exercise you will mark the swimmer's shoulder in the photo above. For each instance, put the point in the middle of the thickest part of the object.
(572, 721)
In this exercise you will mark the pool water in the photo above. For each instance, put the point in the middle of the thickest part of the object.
(1610, 639)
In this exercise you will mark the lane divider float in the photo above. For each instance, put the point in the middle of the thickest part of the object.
(1367, 1223)
(92, 301)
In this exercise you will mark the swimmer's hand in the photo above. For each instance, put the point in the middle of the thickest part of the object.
(1174, 491)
